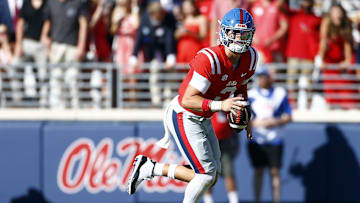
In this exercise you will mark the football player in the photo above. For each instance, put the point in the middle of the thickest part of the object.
(217, 81)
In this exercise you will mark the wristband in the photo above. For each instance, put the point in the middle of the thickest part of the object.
(215, 106)
(205, 105)
(171, 171)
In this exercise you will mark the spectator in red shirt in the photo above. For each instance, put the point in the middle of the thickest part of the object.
(271, 29)
(303, 41)
(190, 33)
(229, 147)
(336, 48)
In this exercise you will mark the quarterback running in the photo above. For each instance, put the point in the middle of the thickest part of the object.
(217, 81)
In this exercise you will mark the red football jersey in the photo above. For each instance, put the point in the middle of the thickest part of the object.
(213, 74)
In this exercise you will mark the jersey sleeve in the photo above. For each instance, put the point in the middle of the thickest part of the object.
(202, 65)
(202, 73)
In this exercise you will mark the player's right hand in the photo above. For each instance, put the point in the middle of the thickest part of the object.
(232, 105)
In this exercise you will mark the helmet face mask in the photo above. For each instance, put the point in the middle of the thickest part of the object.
(237, 34)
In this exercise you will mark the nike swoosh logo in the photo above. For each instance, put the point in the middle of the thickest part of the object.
(243, 74)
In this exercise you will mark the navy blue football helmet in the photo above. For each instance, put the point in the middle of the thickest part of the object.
(237, 30)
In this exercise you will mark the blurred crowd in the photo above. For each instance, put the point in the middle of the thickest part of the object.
(131, 32)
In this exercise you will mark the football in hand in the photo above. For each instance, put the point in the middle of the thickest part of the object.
(242, 117)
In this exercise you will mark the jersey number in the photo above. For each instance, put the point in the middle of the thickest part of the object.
(226, 90)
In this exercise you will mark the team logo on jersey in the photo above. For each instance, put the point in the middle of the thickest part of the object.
(231, 83)
(243, 74)
(224, 77)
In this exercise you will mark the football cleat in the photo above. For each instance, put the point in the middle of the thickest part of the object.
(142, 170)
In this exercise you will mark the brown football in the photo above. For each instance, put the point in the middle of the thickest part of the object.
(241, 119)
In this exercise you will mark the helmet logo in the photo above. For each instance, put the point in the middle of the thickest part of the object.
(240, 26)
